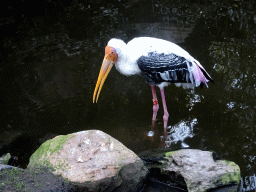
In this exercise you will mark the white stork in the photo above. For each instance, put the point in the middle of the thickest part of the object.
(159, 61)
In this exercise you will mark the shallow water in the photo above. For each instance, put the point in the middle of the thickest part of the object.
(49, 71)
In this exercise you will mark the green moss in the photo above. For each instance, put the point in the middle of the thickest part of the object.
(226, 179)
(12, 177)
(48, 148)
(19, 185)
(14, 172)
(231, 177)
(168, 154)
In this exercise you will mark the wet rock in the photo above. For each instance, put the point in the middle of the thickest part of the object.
(3, 167)
(92, 160)
(5, 158)
(198, 168)
(200, 171)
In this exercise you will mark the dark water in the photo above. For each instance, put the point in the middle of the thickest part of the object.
(51, 57)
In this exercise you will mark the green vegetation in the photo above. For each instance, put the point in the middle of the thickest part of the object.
(28, 180)
(47, 149)
(12, 177)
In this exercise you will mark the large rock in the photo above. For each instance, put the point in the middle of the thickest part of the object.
(92, 160)
(200, 171)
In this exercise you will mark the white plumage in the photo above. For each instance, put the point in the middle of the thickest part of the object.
(128, 55)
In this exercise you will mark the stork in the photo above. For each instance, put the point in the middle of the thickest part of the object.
(159, 61)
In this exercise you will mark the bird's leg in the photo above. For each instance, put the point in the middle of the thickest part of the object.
(155, 105)
(166, 114)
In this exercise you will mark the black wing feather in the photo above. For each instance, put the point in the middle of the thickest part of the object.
(157, 68)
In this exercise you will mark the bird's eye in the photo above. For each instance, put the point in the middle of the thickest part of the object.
(112, 53)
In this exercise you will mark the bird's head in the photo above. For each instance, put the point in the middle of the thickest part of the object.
(108, 62)
(110, 54)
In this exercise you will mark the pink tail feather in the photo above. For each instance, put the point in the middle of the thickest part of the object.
(198, 75)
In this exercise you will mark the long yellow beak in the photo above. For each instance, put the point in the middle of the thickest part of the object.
(104, 71)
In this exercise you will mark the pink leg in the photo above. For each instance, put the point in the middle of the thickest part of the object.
(155, 105)
(166, 114)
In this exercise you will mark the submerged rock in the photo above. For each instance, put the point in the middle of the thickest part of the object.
(92, 160)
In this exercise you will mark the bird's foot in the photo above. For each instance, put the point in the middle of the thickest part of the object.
(153, 129)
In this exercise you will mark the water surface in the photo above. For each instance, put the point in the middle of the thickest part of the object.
(51, 60)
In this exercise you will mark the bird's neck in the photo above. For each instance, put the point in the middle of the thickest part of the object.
(127, 63)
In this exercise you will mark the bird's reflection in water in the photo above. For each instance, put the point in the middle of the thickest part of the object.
(179, 132)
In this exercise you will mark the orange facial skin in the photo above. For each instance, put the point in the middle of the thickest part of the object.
(110, 54)
(108, 62)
